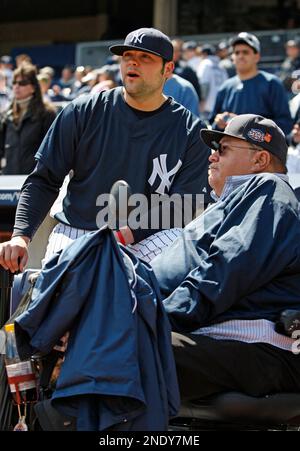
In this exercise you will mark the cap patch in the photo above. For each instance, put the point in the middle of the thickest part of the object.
(257, 135)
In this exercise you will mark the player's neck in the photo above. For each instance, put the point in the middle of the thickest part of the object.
(144, 104)
(248, 74)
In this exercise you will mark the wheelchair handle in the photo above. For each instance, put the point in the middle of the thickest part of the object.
(6, 282)
(6, 278)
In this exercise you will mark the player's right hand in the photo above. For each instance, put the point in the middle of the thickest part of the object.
(14, 253)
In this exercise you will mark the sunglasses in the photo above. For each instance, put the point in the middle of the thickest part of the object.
(21, 82)
(223, 148)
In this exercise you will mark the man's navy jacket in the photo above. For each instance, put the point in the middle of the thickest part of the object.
(239, 260)
(119, 368)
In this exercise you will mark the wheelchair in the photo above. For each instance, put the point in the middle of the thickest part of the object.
(224, 411)
(230, 411)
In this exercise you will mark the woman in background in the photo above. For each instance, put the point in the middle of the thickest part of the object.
(25, 123)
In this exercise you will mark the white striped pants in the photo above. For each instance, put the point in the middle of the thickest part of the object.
(62, 235)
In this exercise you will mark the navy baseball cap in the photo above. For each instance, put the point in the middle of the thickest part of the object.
(208, 49)
(189, 45)
(246, 38)
(293, 42)
(222, 45)
(148, 40)
(254, 129)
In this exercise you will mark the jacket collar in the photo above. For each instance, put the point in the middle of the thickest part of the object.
(235, 181)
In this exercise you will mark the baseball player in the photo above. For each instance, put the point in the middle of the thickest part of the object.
(134, 133)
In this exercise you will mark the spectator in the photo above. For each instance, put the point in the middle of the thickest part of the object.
(290, 64)
(25, 124)
(183, 92)
(114, 64)
(235, 269)
(6, 65)
(293, 139)
(79, 74)
(107, 77)
(23, 58)
(182, 69)
(191, 54)
(5, 93)
(88, 81)
(45, 83)
(211, 76)
(251, 90)
(67, 78)
(104, 85)
(107, 72)
(225, 58)
(57, 95)
(49, 71)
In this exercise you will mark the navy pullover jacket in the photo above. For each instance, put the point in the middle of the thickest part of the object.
(239, 260)
(263, 94)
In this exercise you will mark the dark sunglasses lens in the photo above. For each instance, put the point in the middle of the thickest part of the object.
(21, 83)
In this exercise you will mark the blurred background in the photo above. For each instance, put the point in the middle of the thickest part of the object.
(78, 32)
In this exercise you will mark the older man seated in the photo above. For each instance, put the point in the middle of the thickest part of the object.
(235, 268)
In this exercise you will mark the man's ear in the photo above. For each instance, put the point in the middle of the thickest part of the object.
(257, 59)
(169, 68)
(261, 160)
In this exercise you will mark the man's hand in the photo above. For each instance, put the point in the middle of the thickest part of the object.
(127, 235)
(221, 120)
(14, 253)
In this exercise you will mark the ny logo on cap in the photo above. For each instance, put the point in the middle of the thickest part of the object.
(137, 37)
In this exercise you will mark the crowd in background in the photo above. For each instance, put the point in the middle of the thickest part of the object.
(207, 79)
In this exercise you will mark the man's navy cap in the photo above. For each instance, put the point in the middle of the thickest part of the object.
(246, 38)
(189, 45)
(254, 129)
(148, 40)
(222, 45)
(293, 42)
(208, 49)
